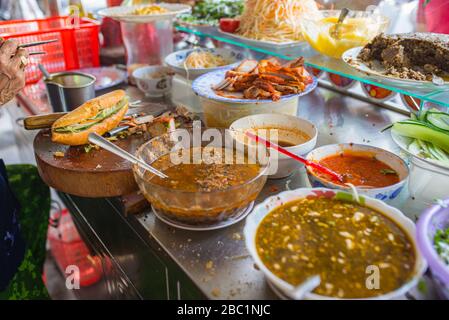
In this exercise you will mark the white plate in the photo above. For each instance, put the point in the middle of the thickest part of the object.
(350, 57)
(107, 77)
(236, 218)
(176, 60)
(125, 13)
(202, 86)
(263, 43)
(404, 142)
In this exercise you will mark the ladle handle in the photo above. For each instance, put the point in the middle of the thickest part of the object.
(308, 163)
(109, 146)
(44, 71)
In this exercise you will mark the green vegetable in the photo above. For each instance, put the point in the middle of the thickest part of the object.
(388, 171)
(208, 12)
(430, 134)
(423, 131)
(438, 119)
(104, 114)
(441, 244)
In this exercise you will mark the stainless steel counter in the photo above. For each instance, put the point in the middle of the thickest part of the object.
(217, 261)
(153, 260)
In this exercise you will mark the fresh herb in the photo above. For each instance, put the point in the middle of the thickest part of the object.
(422, 286)
(209, 12)
(88, 148)
(441, 244)
(388, 171)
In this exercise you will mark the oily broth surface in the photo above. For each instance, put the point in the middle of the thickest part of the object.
(211, 174)
(337, 240)
(361, 170)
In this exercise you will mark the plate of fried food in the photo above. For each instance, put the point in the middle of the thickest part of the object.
(253, 81)
(253, 87)
(145, 13)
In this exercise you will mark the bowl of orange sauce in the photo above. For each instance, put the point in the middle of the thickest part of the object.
(375, 172)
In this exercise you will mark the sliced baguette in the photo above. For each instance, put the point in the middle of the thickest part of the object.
(88, 110)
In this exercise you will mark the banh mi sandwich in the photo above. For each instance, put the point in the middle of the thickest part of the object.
(98, 115)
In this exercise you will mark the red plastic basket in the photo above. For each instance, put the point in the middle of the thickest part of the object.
(78, 45)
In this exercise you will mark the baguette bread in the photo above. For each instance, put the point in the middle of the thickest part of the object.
(87, 111)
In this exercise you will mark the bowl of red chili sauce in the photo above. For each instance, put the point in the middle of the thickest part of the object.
(375, 172)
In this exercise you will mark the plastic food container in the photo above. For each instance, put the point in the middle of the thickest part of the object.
(433, 219)
(428, 181)
(194, 208)
(77, 46)
(220, 114)
(359, 28)
(271, 203)
(388, 193)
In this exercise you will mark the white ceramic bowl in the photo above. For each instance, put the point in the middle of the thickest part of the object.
(288, 126)
(221, 112)
(126, 13)
(386, 193)
(263, 209)
(156, 86)
(176, 60)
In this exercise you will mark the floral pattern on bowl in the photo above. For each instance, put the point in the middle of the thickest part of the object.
(263, 209)
(387, 194)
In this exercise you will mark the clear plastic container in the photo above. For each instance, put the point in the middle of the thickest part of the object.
(428, 181)
(147, 43)
(219, 114)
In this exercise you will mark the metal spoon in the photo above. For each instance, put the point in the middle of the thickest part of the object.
(306, 287)
(107, 145)
(44, 71)
(436, 80)
(343, 14)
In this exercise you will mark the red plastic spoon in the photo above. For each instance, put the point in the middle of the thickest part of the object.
(308, 163)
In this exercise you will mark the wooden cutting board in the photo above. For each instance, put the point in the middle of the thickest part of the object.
(97, 174)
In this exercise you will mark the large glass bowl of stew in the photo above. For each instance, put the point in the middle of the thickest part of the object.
(208, 181)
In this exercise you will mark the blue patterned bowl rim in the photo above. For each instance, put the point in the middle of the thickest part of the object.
(202, 86)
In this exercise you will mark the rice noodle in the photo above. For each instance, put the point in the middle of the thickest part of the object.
(275, 20)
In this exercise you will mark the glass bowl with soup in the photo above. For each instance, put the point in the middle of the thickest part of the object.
(208, 180)
(375, 172)
(297, 135)
(332, 39)
(359, 248)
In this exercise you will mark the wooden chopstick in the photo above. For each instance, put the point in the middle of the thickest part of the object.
(36, 53)
(37, 43)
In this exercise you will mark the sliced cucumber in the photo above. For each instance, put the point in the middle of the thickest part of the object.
(421, 131)
(438, 119)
